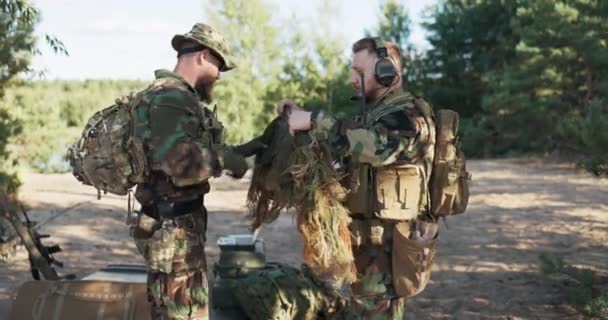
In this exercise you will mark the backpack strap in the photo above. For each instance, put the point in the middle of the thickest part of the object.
(378, 113)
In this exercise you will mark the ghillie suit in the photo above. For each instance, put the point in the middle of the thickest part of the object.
(297, 172)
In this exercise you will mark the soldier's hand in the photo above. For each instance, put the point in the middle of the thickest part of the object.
(235, 164)
(253, 147)
(299, 120)
(290, 105)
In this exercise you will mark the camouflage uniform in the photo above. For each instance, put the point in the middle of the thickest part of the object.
(396, 132)
(184, 148)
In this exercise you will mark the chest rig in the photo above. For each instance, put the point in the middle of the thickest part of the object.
(396, 192)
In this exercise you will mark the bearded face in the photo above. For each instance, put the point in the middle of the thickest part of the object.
(204, 88)
(209, 74)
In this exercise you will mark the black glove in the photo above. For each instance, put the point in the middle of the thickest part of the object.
(235, 163)
(248, 149)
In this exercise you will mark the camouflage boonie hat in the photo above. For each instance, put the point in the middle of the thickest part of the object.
(207, 36)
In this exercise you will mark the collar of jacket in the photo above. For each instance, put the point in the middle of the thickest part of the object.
(398, 92)
(163, 73)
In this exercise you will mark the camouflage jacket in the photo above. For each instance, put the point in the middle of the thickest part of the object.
(403, 135)
(182, 140)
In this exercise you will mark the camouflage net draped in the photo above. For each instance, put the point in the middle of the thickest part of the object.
(296, 172)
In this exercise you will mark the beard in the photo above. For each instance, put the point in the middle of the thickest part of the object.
(205, 90)
(358, 96)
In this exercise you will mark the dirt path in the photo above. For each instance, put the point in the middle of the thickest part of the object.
(487, 265)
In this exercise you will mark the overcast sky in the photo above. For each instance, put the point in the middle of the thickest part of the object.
(128, 39)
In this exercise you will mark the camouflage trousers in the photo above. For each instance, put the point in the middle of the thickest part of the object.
(177, 269)
(373, 293)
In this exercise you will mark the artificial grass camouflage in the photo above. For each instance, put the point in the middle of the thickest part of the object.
(297, 172)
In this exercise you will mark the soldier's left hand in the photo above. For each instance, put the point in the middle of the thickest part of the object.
(287, 104)
(299, 120)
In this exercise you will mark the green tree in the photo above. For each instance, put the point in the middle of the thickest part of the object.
(17, 45)
(469, 39)
(315, 72)
(395, 25)
(257, 53)
(52, 115)
(558, 83)
(585, 136)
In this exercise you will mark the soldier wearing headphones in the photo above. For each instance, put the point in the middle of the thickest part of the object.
(388, 159)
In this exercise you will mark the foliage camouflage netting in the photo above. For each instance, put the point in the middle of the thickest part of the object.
(297, 172)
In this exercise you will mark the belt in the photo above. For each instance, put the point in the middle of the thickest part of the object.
(171, 210)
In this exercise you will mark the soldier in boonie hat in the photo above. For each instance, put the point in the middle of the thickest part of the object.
(182, 143)
(204, 36)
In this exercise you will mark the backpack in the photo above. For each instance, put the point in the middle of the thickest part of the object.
(449, 182)
(108, 155)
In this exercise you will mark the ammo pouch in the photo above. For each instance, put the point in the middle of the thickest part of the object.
(399, 192)
(412, 261)
(394, 192)
(214, 137)
(358, 199)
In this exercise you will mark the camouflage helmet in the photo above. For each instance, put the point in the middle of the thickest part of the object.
(208, 37)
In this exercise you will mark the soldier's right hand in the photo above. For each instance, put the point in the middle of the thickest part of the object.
(235, 164)
(250, 148)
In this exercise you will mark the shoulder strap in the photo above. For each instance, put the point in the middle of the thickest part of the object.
(391, 105)
(425, 108)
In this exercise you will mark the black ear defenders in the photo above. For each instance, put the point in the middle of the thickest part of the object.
(384, 70)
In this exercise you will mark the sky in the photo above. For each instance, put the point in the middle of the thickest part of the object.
(129, 39)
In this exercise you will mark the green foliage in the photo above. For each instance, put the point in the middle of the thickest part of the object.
(17, 45)
(52, 115)
(517, 68)
(559, 68)
(580, 284)
(598, 307)
(17, 42)
(315, 74)
(511, 68)
(303, 66)
(584, 134)
(469, 38)
(8, 163)
(256, 53)
(394, 25)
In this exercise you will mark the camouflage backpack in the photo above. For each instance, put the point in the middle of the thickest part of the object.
(108, 155)
(449, 183)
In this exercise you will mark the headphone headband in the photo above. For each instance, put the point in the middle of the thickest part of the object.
(380, 48)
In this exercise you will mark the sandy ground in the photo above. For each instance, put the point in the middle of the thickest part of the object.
(487, 265)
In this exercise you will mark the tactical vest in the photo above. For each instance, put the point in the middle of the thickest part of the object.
(398, 191)
(209, 135)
